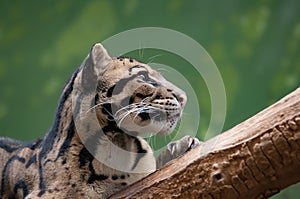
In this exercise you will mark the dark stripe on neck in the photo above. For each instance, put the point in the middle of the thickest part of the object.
(90, 147)
(65, 146)
(5, 169)
(86, 157)
(10, 145)
(140, 152)
(42, 185)
(31, 161)
(51, 135)
(49, 139)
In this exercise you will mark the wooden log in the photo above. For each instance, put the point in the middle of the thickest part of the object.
(255, 159)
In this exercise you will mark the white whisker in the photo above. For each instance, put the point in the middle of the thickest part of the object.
(151, 59)
(125, 115)
(141, 52)
(131, 105)
(93, 107)
(162, 70)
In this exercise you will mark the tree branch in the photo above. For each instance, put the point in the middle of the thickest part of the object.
(255, 159)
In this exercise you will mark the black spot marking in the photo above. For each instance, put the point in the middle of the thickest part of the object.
(122, 177)
(111, 128)
(123, 183)
(64, 161)
(175, 96)
(218, 176)
(110, 91)
(144, 116)
(96, 177)
(56, 189)
(84, 157)
(96, 99)
(158, 96)
(114, 177)
(21, 185)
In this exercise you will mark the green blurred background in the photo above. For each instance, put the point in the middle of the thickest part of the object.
(255, 45)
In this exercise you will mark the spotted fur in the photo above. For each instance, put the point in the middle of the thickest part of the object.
(107, 102)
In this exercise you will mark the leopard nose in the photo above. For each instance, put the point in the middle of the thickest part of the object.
(182, 100)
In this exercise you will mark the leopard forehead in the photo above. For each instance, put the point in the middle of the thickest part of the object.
(123, 64)
(122, 67)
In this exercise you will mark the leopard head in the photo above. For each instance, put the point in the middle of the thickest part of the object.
(130, 95)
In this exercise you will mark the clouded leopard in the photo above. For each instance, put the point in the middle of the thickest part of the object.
(95, 146)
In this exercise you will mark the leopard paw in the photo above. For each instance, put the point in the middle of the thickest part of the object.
(176, 149)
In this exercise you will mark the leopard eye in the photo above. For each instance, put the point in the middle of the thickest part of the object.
(152, 82)
(142, 76)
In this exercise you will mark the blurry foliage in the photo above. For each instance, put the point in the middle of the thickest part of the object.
(255, 45)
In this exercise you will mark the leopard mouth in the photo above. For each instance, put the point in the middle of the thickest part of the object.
(147, 118)
(155, 115)
(165, 122)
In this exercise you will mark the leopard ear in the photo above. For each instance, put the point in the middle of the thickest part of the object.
(96, 62)
(100, 57)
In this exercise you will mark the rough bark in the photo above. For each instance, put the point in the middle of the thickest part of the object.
(255, 159)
